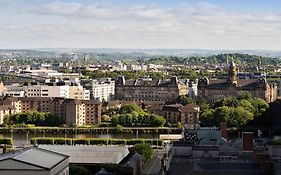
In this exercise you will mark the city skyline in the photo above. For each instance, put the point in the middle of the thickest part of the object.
(190, 24)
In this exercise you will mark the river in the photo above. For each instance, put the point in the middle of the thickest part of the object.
(23, 139)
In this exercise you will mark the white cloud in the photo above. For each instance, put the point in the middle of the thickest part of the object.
(202, 25)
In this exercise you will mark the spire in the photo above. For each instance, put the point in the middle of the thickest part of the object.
(232, 73)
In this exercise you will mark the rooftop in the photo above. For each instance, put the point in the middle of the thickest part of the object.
(91, 154)
(36, 157)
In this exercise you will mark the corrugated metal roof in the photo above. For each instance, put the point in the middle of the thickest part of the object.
(91, 154)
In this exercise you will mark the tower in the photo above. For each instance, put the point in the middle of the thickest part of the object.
(232, 73)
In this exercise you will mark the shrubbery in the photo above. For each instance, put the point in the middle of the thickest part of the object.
(93, 141)
(33, 118)
(6, 141)
(133, 115)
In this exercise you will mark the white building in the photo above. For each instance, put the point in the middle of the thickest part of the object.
(35, 161)
(47, 91)
(52, 90)
(14, 91)
(100, 89)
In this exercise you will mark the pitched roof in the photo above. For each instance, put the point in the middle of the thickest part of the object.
(91, 154)
(241, 83)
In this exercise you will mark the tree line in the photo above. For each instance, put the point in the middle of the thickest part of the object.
(235, 111)
(32, 117)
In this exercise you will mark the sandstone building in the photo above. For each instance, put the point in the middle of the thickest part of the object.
(149, 90)
(214, 90)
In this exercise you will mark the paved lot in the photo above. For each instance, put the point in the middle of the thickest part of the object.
(180, 166)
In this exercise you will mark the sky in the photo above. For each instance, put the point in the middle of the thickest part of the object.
(141, 24)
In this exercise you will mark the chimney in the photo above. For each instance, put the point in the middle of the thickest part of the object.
(247, 141)
(223, 127)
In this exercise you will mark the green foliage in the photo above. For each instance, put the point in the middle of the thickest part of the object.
(235, 111)
(129, 108)
(143, 149)
(33, 117)
(6, 141)
(62, 141)
(81, 141)
(99, 141)
(133, 115)
(184, 100)
(93, 141)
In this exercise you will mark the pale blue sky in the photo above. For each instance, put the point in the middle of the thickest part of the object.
(209, 24)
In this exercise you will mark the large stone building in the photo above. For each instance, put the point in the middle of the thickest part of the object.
(69, 111)
(149, 90)
(213, 90)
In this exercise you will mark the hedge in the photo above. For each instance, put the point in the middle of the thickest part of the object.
(94, 141)
(6, 141)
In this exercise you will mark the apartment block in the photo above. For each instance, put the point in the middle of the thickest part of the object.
(100, 89)
(70, 111)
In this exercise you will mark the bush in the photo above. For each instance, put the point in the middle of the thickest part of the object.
(134, 141)
(62, 141)
(117, 142)
(95, 141)
(99, 141)
(143, 149)
(6, 141)
(81, 141)
(45, 141)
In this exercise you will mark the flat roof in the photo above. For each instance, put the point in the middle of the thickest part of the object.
(35, 156)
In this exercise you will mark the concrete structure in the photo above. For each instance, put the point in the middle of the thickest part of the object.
(214, 90)
(149, 90)
(100, 89)
(70, 111)
(34, 161)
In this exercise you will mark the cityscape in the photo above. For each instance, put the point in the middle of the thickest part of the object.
(124, 87)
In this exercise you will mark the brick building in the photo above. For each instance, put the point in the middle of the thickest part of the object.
(69, 111)
(187, 115)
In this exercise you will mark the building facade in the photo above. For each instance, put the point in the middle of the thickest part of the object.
(149, 90)
(187, 115)
(69, 111)
(48, 90)
(100, 89)
(214, 90)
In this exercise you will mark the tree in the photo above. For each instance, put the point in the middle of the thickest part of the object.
(143, 149)
(184, 100)
(128, 108)
(239, 117)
